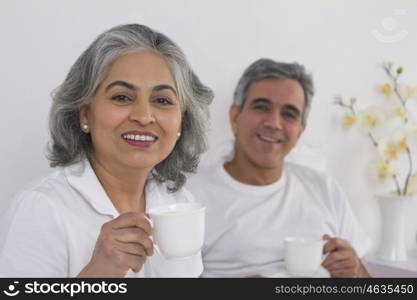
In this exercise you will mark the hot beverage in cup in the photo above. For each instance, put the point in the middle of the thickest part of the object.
(303, 256)
(178, 229)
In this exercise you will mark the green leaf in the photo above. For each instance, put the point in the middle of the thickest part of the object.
(400, 70)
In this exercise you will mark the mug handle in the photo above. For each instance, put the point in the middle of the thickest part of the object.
(155, 246)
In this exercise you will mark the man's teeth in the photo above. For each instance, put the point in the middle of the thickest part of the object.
(138, 137)
(268, 139)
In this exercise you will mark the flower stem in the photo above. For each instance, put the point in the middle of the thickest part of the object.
(394, 79)
(410, 170)
(374, 142)
(397, 184)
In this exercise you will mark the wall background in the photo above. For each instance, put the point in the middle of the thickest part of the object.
(333, 39)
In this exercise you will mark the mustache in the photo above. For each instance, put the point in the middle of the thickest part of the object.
(272, 133)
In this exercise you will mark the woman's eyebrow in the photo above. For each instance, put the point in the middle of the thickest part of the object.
(134, 88)
(121, 83)
(164, 87)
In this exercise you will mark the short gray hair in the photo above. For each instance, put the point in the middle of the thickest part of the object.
(69, 144)
(267, 68)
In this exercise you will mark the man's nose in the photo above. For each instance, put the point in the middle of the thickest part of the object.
(142, 113)
(273, 121)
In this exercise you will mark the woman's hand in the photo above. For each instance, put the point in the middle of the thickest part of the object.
(123, 244)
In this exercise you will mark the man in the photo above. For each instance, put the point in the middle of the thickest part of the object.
(255, 199)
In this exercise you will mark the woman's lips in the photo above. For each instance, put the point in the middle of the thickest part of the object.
(139, 139)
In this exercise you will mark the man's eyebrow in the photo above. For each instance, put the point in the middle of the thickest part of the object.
(164, 87)
(260, 100)
(121, 83)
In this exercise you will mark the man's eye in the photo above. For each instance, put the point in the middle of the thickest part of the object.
(289, 115)
(121, 98)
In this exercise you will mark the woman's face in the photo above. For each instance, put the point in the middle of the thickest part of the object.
(135, 115)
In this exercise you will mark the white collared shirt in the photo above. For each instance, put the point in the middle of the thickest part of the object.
(50, 230)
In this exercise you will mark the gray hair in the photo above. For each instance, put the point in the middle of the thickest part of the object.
(267, 68)
(69, 144)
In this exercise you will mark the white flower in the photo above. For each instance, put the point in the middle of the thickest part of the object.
(387, 89)
(391, 129)
(396, 143)
(394, 110)
(385, 168)
(349, 120)
(371, 117)
(408, 91)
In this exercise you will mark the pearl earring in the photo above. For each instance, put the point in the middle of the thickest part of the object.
(178, 134)
(85, 127)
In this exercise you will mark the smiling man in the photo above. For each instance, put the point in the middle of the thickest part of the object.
(255, 199)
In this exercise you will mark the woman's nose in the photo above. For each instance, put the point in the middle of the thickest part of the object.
(142, 113)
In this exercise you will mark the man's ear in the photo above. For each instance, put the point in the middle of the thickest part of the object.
(302, 130)
(234, 113)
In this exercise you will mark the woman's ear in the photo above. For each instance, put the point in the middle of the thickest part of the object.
(84, 118)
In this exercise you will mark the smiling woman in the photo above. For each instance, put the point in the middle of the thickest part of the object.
(126, 125)
(133, 120)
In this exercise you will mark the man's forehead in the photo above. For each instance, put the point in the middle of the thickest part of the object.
(276, 92)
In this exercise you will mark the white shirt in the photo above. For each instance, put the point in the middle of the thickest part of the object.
(245, 224)
(51, 229)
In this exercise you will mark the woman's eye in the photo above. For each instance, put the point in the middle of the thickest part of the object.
(121, 98)
(163, 101)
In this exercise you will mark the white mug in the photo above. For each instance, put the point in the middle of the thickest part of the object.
(303, 256)
(178, 229)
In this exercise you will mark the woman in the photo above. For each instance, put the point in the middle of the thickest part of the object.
(126, 125)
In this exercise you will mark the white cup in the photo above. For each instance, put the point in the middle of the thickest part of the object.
(178, 229)
(303, 256)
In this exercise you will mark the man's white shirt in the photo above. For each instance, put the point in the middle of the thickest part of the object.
(246, 224)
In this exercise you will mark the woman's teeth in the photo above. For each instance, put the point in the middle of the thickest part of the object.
(138, 137)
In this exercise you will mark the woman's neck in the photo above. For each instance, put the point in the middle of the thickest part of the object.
(125, 188)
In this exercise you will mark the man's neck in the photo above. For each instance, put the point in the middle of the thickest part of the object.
(249, 173)
(126, 191)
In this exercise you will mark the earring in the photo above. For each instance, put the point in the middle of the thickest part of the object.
(178, 134)
(85, 127)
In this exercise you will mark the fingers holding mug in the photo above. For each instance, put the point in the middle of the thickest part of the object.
(123, 244)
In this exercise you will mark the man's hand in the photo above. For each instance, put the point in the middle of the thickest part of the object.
(342, 260)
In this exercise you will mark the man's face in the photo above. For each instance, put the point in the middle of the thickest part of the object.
(270, 122)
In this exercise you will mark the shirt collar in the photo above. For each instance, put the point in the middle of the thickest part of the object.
(82, 178)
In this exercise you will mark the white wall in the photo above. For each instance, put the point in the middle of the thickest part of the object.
(41, 39)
